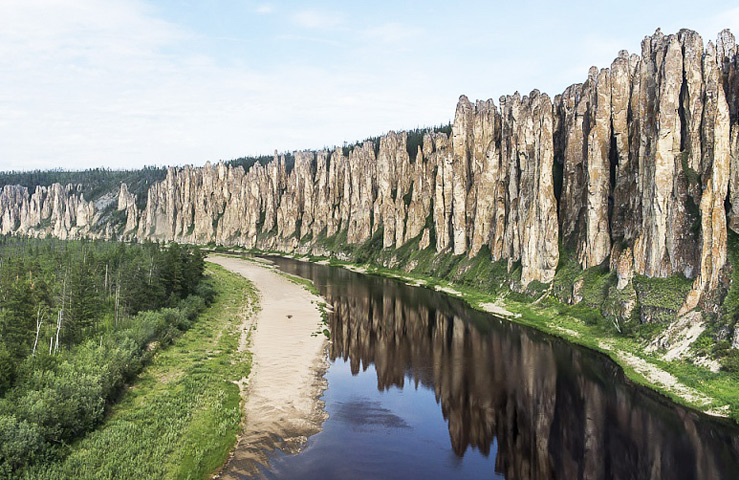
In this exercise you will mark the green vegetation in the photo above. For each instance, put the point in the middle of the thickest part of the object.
(95, 182)
(247, 162)
(181, 417)
(716, 339)
(665, 293)
(78, 320)
(415, 137)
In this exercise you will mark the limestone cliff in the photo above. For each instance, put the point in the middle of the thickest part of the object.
(57, 210)
(631, 168)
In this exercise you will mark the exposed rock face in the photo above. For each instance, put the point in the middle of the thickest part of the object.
(393, 181)
(660, 248)
(585, 125)
(715, 164)
(504, 161)
(56, 210)
(626, 214)
(532, 230)
(422, 191)
(648, 151)
(624, 267)
(127, 203)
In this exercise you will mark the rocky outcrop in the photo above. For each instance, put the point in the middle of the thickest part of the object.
(631, 168)
(531, 231)
(585, 121)
(715, 164)
(504, 160)
(57, 210)
(127, 204)
(393, 184)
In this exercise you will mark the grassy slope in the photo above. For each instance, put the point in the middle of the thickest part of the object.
(181, 417)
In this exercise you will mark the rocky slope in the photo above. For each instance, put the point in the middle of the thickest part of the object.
(636, 167)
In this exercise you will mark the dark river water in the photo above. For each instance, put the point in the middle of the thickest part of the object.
(422, 386)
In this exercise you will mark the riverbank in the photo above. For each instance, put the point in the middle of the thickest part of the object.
(282, 407)
(180, 417)
(712, 392)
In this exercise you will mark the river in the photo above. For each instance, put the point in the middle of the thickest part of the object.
(422, 386)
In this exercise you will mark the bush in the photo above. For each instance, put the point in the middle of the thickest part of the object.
(588, 315)
(112, 297)
(169, 335)
(20, 443)
(206, 291)
(174, 317)
(192, 306)
(63, 404)
(730, 362)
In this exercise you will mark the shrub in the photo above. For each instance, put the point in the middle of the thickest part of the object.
(20, 443)
(730, 362)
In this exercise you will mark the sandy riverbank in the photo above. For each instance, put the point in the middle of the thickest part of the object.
(282, 405)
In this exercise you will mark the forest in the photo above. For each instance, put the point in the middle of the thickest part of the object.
(78, 320)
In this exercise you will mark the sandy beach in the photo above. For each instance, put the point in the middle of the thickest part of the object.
(282, 407)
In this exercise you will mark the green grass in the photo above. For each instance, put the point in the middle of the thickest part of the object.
(180, 418)
(666, 293)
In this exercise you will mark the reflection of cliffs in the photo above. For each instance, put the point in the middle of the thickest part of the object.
(555, 412)
(634, 165)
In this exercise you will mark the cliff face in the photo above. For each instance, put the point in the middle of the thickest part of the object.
(54, 210)
(634, 165)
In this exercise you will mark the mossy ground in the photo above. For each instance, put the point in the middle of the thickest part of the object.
(181, 416)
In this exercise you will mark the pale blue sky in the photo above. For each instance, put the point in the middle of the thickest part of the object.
(126, 83)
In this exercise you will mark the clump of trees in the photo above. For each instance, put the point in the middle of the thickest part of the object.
(77, 321)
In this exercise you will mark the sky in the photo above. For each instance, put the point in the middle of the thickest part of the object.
(128, 83)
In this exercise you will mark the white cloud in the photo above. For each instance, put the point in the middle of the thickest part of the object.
(88, 83)
(314, 19)
(393, 32)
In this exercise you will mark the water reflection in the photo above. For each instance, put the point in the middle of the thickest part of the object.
(552, 410)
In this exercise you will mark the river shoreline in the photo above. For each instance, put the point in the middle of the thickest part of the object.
(282, 405)
(671, 379)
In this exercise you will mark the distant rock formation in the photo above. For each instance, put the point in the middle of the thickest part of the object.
(60, 211)
(639, 164)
